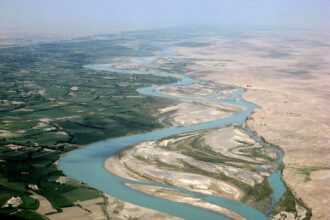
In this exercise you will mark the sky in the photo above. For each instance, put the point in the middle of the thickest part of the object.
(108, 16)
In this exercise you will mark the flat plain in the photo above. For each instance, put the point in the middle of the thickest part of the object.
(287, 75)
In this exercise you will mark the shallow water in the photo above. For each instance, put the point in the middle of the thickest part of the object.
(87, 164)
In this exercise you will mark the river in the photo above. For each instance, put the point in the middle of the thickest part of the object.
(87, 164)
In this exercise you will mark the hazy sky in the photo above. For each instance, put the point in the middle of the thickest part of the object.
(105, 16)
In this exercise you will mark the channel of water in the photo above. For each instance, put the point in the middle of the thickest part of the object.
(87, 164)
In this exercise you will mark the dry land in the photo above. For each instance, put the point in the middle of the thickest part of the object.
(287, 75)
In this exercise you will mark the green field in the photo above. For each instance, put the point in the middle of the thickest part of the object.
(50, 104)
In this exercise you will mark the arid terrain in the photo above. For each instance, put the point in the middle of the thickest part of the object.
(287, 75)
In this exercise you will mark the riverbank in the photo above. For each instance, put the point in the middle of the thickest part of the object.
(174, 195)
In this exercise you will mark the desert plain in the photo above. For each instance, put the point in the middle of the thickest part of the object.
(287, 75)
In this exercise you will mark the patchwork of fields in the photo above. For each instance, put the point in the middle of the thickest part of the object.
(50, 105)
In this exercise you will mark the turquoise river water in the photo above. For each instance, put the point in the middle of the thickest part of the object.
(87, 164)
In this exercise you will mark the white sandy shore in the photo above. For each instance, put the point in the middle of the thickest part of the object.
(191, 112)
(173, 195)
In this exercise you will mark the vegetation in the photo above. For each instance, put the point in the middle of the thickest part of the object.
(307, 171)
(289, 203)
(29, 215)
(50, 104)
